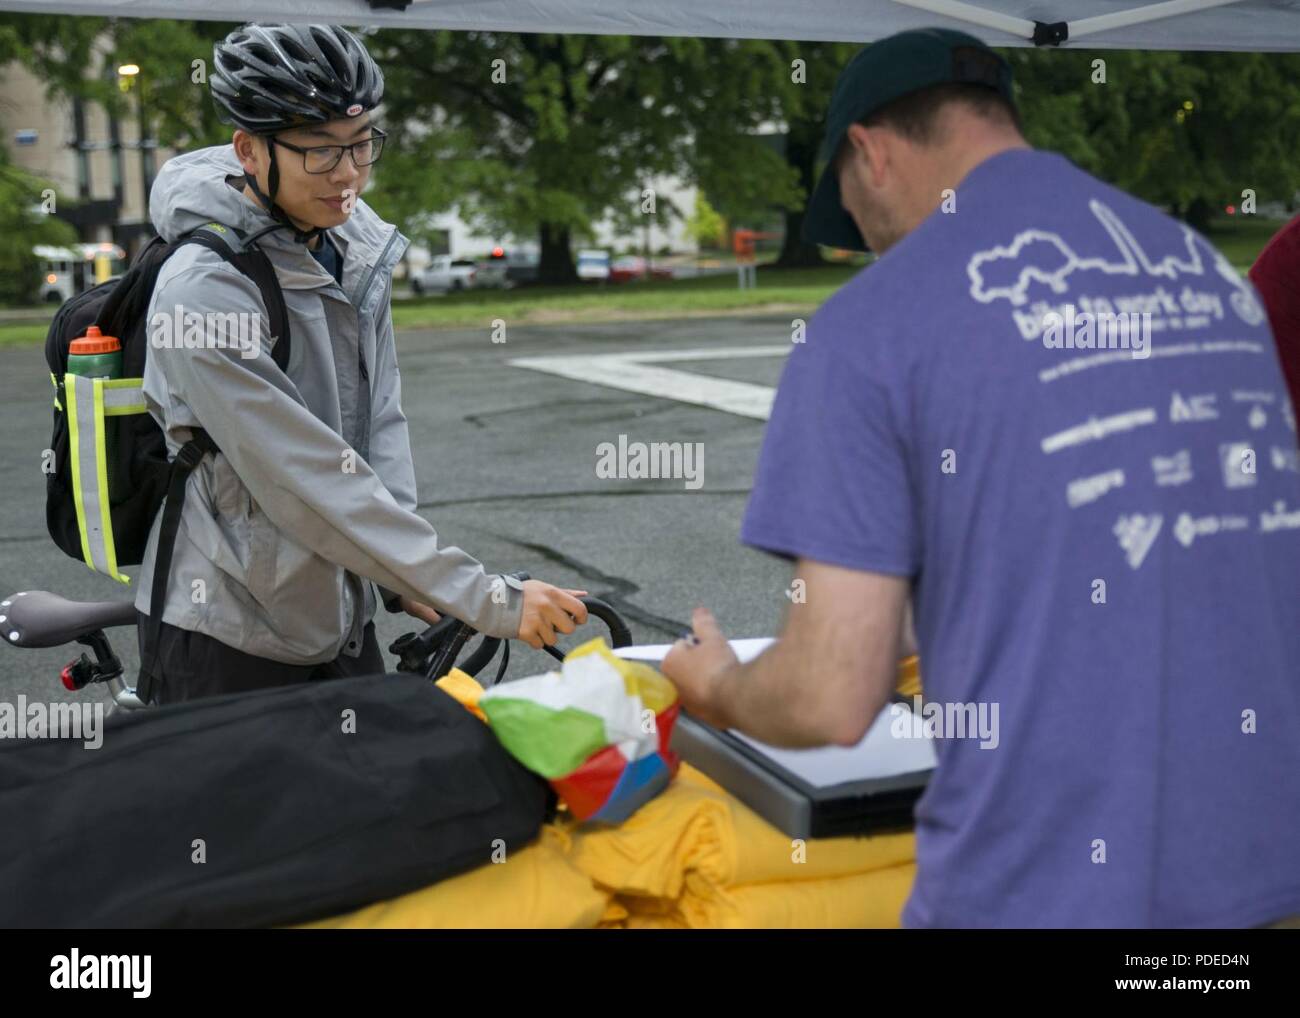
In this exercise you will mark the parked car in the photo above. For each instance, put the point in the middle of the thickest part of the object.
(494, 271)
(626, 269)
(444, 274)
(631, 267)
(521, 266)
(593, 265)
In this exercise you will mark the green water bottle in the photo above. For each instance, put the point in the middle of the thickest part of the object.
(95, 355)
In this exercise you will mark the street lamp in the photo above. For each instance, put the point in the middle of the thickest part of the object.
(126, 78)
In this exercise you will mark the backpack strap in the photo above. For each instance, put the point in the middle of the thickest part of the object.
(252, 261)
(186, 460)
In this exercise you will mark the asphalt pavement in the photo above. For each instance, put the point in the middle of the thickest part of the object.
(506, 462)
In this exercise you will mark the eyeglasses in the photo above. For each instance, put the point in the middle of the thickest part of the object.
(323, 158)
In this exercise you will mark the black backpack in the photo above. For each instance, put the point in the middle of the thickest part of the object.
(101, 502)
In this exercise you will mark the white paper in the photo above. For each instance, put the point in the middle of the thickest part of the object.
(746, 650)
(879, 755)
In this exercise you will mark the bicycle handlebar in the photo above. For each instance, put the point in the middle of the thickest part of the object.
(434, 652)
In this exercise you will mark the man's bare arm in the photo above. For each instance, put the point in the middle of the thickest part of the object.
(824, 680)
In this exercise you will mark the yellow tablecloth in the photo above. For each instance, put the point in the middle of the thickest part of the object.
(694, 857)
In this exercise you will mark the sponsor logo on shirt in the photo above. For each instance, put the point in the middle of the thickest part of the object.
(1089, 489)
(1172, 470)
(1188, 528)
(1194, 408)
(1043, 257)
(1098, 427)
(1285, 459)
(1137, 533)
(1279, 519)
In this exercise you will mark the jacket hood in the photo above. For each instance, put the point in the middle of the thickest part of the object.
(191, 189)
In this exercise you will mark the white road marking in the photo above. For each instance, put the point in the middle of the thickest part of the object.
(636, 372)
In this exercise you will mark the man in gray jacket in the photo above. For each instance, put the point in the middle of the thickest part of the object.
(310, 502)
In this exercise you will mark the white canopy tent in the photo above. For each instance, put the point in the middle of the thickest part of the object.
(1259, 25)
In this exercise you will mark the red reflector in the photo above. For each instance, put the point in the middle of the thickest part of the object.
(66, 676)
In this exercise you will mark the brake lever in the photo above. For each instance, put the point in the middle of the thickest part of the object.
(414, 650)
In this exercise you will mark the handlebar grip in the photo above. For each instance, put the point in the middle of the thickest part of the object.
(619, 634)
(482, 654)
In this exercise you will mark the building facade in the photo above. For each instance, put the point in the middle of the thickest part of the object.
(102, 163)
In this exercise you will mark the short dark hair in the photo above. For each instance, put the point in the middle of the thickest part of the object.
(916, 115)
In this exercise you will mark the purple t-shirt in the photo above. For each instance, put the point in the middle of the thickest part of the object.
(1104, 542)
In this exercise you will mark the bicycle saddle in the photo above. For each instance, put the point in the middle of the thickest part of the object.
(37, 618)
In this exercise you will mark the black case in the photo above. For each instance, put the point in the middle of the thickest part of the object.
(299, 820)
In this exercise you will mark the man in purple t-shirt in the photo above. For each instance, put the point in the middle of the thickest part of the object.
(1049, 418)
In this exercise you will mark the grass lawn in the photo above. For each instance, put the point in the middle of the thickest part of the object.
(1242, 238)
(796, 291)
(23, 334)
(777, 290)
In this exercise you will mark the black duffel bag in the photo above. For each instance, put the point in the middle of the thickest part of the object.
(294, 816)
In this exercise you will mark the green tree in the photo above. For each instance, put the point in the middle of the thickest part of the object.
(551, 133)
(705, 226)
(1187, 131)
(805, 91)
(23, 225)
(171, 91)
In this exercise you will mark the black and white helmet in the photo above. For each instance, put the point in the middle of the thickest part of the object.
(269, 78)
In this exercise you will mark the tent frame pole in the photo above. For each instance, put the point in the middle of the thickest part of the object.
(1142, 15)
(1055, 34)
(974, 15)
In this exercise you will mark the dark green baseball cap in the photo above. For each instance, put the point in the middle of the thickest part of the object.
(880, 73)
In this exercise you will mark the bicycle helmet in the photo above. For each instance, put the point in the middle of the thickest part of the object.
(269, 78)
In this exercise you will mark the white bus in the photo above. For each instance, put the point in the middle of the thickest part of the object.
(67, 271)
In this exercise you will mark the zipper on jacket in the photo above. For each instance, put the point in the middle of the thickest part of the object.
(353, 638)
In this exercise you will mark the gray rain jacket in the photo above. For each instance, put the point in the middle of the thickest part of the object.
(278, 529)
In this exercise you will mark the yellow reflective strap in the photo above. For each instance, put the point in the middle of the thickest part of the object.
(124, 396)
(101, 467)
(88, 450)
(55, 382)
(74, 464)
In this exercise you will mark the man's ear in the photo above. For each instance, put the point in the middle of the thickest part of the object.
(871, 146)
(245, 146)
